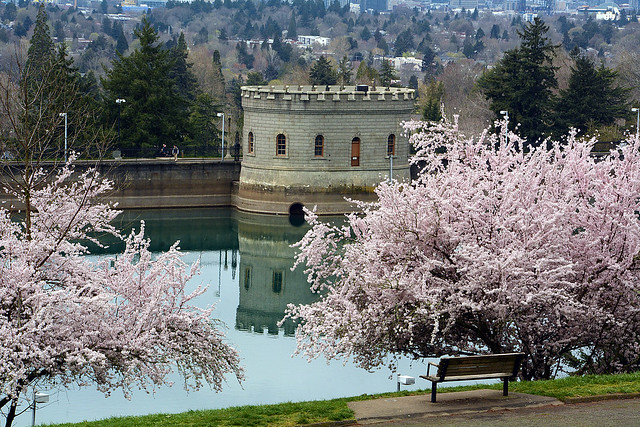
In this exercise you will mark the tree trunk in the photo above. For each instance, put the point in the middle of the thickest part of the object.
(12, 412)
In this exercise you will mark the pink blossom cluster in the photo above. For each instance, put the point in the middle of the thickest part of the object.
(492, 249)
(116, 322)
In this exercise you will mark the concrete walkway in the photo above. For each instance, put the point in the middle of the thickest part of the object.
(490, 408)
(466, 402)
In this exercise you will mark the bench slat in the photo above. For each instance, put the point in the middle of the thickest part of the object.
(467, 377)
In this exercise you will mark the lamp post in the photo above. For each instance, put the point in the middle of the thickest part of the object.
(222, 154)
(637, 110)
(505, 113)
(65, 135)
(37, 398)
(119, 101)
(390, 157)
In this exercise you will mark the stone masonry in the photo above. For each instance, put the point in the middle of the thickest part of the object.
(355, 124)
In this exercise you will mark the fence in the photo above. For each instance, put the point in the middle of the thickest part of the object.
(191, 151)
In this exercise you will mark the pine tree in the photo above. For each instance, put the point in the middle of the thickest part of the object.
(292, 30)
(404, 42)
(186, 83)
(495, 32)
(387, 73)
(218, 84)
(431, 107)
(345, 71)
(592, 98)
(154, 112)
(522, 83)
(41, 49)
(322, 72)
(122, 45)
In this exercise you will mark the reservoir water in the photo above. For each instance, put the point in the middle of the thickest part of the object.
(246, 260)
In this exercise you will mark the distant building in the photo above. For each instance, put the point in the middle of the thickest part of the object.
(310, 40)
(375, 5)
(605, 12)
(467, 4)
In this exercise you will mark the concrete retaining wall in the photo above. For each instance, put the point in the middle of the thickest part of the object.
(163, 183)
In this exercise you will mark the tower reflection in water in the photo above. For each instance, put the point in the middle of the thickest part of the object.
(266, 281)
(256, 248)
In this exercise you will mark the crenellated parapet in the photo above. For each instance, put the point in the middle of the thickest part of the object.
(316, 98)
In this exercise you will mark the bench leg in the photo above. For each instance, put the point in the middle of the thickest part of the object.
(505, 386)
(434, 387)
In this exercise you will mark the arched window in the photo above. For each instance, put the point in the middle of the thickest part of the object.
(281, 145)
(250, 138)
(276, 281)
(391, 145)
(319, 146)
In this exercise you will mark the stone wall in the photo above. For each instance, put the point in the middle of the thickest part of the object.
(163, 183)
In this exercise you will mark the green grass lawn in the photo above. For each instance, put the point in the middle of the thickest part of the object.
(291, 414)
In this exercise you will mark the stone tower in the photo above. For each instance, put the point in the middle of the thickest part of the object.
(316, 145)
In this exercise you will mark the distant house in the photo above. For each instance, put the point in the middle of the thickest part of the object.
(310, 40)
(409, 64)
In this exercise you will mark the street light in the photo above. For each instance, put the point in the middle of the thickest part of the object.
(390, 157)
(222, 115)
(65, 135)
(505, 113)
(637, 110)
(37, 398)
(119, 101)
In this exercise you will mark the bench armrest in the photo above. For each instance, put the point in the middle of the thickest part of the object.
(432, 364)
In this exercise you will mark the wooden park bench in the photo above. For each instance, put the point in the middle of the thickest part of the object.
(503, 366)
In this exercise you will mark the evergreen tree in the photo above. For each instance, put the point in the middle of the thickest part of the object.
(218, 86)
(222, 36)
(387, 73)
(203, 120)
(292, 30)
(202, 37)
(382, 44)
(431, 107)
(522, 83)
(154, 112)
(51, 85)
(365, 34)
(322, 72)
(106, 25)
(10, 12)
(244, 57)
(41, 49)
(413, 83)
(186, 83)
(592, 98)
(404, 42)
(495, 32)
(344, 71)
(255, 79)
(122, 45)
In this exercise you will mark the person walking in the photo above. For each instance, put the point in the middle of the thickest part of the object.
(174, 153)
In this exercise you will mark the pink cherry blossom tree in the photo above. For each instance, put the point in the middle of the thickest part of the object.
(119, 322)
(492, 249)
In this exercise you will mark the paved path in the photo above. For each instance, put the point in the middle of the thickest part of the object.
(490, 408)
